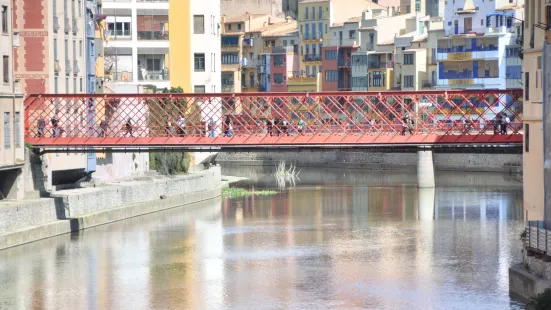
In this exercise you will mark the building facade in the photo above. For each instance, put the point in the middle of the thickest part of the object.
(137, 45)
(51, 58)
(12, 155)
(536, 15)
(480, 37)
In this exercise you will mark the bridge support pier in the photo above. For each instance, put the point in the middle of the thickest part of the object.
(425, 169)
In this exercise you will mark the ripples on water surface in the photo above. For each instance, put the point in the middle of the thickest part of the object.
(340, 239)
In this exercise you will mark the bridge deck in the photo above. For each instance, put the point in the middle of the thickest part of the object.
(316, 120)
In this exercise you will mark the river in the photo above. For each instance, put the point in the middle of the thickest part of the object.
(336, 239)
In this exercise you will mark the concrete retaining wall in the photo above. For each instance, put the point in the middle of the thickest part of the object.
(524, 284)
(510, 163)
(71, 210)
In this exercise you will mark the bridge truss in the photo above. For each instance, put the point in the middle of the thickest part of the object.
(275, 120)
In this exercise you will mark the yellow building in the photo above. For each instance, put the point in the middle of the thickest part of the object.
(534, 13)
(240, 44)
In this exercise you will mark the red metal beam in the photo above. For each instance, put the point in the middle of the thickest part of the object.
(336, 118)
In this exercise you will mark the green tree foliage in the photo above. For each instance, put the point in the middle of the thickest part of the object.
(542, 302)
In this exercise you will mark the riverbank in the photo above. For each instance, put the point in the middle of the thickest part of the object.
(76, 209)
(466, 162)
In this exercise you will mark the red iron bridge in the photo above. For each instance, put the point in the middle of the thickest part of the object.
(276, 121)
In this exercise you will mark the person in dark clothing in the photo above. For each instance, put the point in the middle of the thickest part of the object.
(41, 128)
(277, 130)
(103, 125)
(128, 127)
(227, 127)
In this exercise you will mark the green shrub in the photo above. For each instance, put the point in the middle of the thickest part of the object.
(542, 302)
(169, 163)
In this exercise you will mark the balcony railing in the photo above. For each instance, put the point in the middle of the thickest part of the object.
(153, 35)
(463, 49)
(75, 26)
(380, 64)
(345, 63)
(251, 63)
(310, 58)
(313, 36)
(426, 84)
(122, 76)
(76, 69)
(344, 85)
(67, 25)
(227, 88)
(67, 67)
(162, 75)
(465, 75)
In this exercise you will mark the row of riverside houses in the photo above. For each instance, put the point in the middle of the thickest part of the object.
(359, 45)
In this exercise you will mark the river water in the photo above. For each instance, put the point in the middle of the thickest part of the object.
(336, 239)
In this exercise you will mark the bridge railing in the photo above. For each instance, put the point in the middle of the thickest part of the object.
(274, 118)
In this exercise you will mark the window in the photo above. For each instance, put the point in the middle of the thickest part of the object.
(199, 89)
(238, 26)
(4, 19)
(313, 13)
(17, 129)
(230, 58)
(284, 42)
(377, 79)
(330, 54)
(408, 59)
(66, 84)
(6, 68)
(408, 80)
(306, 14)
(278, 78)
(331, 75)
(229, 27)
(7, 130)
(80, 48)
(325, 28)
(408, 9)
(81, 86)
(75, 85)
(65, 9)
(526, 85)
(56, 85)
(79, 8)
(359, 82)
(307, 70)
(278, 61)
(488, 21)
(198, 24)
(74, 50)
(482, 22)
(66, 49)
(73, 8)
(352, 34)
(527, 138)
(199, 62)
(120, 29)
(509, 22)
(320, 14)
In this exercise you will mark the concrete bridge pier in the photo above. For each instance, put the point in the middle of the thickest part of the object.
(425, 169)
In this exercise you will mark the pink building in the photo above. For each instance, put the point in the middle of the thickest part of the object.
(284, 63)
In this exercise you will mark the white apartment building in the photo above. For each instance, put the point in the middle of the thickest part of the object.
(206, 42)
(480, 49)
(137, 49)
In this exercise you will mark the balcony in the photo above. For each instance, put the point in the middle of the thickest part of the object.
(227, 88)
(426, 84)
(122, 76)
(67, 25)
(301, 80)
(311, 58)
(68, 67)
(318, 36)
(381, 64)
(248, 42)
(342, 85)
(75, 26)
(56, 24)
(251, 63)
(160, 75)
(345, 62)
(76, 69)
(153, 35)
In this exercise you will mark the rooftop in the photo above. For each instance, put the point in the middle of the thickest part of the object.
(243, 18)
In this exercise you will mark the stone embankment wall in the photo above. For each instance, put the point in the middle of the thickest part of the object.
(510, 163)
(71, 210)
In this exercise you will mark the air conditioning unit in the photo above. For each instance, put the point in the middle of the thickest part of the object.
(75, 26)
(56, 24)
(67, 25)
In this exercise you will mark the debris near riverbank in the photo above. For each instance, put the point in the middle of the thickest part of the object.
(236, 192)
(286, 175)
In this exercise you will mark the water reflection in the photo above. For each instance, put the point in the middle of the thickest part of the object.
(346, 242)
